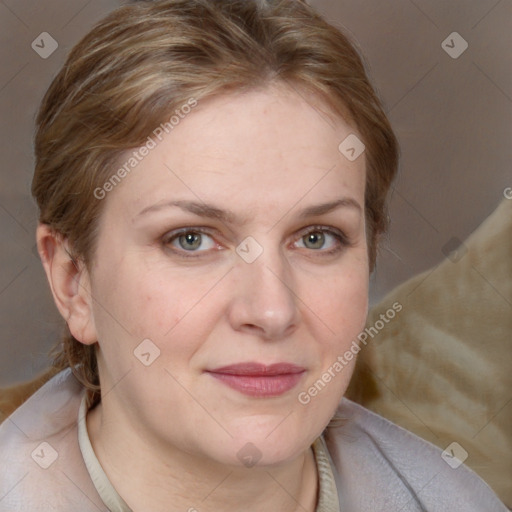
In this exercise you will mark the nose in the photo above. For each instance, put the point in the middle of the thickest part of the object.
(264, 302)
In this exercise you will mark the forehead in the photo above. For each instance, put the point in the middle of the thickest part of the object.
(271, 145)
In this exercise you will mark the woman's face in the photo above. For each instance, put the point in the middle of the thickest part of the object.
(236, 249)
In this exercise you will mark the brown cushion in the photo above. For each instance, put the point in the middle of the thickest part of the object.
(441, 367)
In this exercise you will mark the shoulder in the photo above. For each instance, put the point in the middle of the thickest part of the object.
(41, 467)
(381, 466)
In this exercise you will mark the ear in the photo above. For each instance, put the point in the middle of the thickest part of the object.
(69, 282)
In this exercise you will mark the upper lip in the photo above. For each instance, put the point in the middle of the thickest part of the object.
(259, 369)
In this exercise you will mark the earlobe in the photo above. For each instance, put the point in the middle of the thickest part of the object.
(69, 282)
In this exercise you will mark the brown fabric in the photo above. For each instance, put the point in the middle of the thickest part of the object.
(441, 367)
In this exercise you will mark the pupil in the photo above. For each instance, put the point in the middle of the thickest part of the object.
(316, 239)
(190, 241)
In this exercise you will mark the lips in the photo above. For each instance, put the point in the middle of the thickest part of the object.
(259, 380)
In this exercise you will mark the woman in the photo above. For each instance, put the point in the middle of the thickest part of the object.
(211, 178)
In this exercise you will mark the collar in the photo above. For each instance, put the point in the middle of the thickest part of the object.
(327, 493)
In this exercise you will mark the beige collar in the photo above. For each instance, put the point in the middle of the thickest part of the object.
(327, 493)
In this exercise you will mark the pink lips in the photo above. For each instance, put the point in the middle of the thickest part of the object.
(259, 380)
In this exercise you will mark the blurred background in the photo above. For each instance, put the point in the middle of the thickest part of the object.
(442, 68)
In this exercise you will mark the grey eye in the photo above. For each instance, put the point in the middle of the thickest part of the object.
(314, 240)
(190, 241)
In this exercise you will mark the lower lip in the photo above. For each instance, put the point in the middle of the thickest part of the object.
(260, 386)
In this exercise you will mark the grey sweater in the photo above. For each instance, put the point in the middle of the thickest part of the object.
(373, 465)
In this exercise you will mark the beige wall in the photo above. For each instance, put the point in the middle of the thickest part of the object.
(452, 116)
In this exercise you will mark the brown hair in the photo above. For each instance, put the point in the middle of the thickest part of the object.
(146, 60)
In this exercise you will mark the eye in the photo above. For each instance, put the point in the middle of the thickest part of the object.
(190, 240)
(323, 240)
(314, 240)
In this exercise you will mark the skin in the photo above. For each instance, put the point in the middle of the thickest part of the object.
(168, 434)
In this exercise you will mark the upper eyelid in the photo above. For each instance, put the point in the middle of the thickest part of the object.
(173, 234)
(320, 227)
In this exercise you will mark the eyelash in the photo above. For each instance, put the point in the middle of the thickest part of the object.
(338, 235)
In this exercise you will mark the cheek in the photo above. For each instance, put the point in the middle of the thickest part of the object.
(130, 307)
(342, 303)
(137, 299)
(173, 311)
(174, 308)
(343, 308)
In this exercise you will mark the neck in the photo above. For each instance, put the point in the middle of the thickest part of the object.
(177, 481)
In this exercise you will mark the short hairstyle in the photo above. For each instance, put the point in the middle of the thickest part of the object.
(146, 60)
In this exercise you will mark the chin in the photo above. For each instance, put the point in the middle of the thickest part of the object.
(265, 443)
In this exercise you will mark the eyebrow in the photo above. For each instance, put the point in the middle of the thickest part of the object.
(227, 216)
